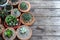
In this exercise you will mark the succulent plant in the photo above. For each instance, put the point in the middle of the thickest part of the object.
(23, 6)
(23, 30)
(8, 33)
(8, 7)
(3, 14)
(26, 17)
(11, 21)
(16, 12)
(14, 0)
(2, 2)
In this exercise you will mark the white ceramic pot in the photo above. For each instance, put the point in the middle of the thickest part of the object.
(5, 4)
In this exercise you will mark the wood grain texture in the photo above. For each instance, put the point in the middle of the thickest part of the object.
(47, 23)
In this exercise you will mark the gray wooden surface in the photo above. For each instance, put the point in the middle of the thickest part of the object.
(47, 23)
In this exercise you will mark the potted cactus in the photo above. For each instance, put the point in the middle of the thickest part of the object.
(14, 2)
(3, 14)
(1, 28)
(3, 2)
(24, 32)
(15, 12)
(8, 7)
(27, 18)
(9, 34)
(11, 21)
(24, 6)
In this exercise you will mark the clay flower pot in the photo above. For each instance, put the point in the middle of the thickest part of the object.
(24, 32)
(11, 21)
(3, 2)
(1, 28)
(14, 2)
(24, 6)
(9, 34)
(8, 7)
(15, 12)
(27, 18)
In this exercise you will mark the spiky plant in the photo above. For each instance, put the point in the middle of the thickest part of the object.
(8, 33)
(11, 21)
(3, 14)
(26, 17)
(8, 7)
(14, 0)
(23, 6)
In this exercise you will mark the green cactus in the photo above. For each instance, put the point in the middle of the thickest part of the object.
(26, 17)
(14, 0)
(11, 20)
(2, 2)
(8, 33)
(8, 7)
(3, 14)
(23, 6)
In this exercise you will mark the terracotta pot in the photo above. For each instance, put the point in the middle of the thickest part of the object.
(29, 22)
(29, 6)
(5, 4)
(15, 27)
(1, 28)
(12, 37)
(14, 3)
(17, 14)
(24, 37)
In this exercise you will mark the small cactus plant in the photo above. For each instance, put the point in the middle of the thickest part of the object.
(8, 33)
(11, 21)
(14, 0)
(8, 7)
(26, 17)
(23, 6)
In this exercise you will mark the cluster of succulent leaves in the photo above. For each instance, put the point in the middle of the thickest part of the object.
(2, 2)
(23, 6)
(11, 21)
(14, 0)
(26, 17)
(23, 30)
(8, 7)
(8, 33)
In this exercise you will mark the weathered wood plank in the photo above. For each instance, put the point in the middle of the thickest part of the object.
(47, 21)
(45, 38)
(45, 12)
(46, 30)
(45, 4)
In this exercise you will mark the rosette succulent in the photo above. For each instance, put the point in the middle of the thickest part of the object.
(16, 12)
(11, 21)
(26, 17)
(23, 30)
(8, 33)
(23, 6)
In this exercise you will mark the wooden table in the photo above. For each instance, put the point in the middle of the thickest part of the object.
(47, 23)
